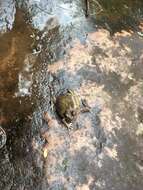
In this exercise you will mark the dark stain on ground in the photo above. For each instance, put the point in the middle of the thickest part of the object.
(118, 15)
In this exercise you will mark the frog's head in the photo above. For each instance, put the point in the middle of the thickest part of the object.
(71, 114)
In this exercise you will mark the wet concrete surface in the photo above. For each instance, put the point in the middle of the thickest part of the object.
(104, 149)
(96, 155)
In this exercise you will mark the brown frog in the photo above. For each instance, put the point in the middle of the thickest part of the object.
(69, 105)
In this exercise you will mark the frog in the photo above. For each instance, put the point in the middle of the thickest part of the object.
(69, 105)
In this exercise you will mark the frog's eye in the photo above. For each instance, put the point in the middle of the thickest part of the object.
(73, 113)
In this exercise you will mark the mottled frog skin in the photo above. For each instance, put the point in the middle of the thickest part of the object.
(68, 106)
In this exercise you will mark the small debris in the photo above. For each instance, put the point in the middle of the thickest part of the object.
(2, 137)
(139, 131)
(45, 152)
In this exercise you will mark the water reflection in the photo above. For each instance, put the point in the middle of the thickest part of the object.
(65, 11)
(16, 74)
(25, 78)
(113, 14)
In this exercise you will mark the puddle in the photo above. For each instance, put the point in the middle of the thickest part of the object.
(16, 70)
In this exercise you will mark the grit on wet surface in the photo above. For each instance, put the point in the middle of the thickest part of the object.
(104, 150)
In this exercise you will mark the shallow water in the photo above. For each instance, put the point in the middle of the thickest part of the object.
(14, 47)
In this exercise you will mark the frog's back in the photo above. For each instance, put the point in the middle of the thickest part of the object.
(62, 104)
(66, 101)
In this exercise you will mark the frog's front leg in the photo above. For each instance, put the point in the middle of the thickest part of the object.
(68, 125)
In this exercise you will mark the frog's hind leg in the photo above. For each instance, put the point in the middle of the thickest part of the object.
(86, 107)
